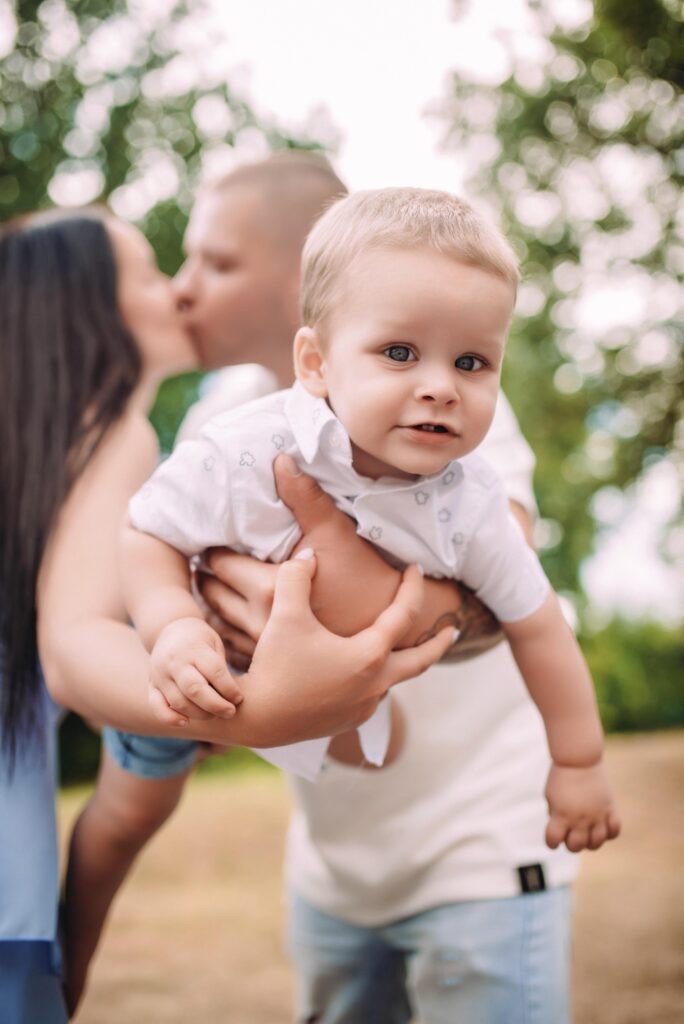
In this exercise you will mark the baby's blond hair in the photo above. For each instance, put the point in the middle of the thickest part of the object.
(393, 218)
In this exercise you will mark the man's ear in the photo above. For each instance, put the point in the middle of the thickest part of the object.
(309, 362)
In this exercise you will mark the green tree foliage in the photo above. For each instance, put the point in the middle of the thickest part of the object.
(119, 102)
(638, 672)
(579, 152)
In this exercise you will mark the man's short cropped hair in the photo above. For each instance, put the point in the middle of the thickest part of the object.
(396, 218)
(288, 168)
(292, 188)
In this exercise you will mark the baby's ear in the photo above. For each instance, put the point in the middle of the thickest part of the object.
(309, 363)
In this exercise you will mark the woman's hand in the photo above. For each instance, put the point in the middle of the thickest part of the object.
(317, 683)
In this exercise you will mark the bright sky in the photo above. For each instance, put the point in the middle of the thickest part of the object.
(373, 70)
(375, 67)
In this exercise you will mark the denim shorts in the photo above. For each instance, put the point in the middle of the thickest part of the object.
(498, 961)
(151, 757)
(31, 982)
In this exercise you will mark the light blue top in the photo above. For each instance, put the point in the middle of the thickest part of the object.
(29, 869)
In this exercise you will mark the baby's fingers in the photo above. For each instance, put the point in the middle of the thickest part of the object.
(597, 835)
(212, 667)
(201, 694)
(577, 838)
(604, 830)
(178, 702)
(556, 831)
(162, 712)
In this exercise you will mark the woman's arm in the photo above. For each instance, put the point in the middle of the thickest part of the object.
(306, 682)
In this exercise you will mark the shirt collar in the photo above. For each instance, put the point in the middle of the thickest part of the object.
(312, 420)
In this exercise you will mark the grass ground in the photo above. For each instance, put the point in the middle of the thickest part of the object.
(196, 935)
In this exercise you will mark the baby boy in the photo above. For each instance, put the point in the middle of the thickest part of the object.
(407, 297)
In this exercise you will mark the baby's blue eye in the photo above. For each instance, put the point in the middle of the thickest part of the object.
(469, 363)
(399, 353)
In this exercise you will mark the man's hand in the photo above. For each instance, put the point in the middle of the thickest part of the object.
(581, 808)
(188, 673)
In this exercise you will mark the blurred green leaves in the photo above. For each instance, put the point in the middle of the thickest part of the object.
(126, 103)
(123, 102)
(638, 669)
(579, 152)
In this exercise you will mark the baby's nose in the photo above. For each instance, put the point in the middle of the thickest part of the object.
(437, 390)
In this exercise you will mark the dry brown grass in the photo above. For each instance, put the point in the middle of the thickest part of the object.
(196, 935)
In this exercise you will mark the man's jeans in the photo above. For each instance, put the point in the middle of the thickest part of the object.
(503, 961)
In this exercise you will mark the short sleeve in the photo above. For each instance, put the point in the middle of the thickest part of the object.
(187, 502)
(508, 452)
(499, 565)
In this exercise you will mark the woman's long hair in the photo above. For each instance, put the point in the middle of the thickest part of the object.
(68, 365)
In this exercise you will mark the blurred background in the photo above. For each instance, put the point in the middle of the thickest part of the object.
(563, 117)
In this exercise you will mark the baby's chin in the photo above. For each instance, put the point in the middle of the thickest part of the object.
(431, 462)
(418, 465)
(408, 464)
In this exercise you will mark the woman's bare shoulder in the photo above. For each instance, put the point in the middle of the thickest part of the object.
(134, 440)
(125, 458)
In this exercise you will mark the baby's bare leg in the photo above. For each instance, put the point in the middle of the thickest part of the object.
(123, 813)
(346, 747)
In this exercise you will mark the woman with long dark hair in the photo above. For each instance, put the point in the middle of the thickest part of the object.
(87, 327)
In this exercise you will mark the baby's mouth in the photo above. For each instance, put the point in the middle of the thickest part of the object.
(431, 428)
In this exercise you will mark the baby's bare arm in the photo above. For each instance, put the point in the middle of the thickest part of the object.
(156, 584)
(558, 680)
(581, 807)
(188, 672)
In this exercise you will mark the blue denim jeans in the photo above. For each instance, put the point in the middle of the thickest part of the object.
(502, 961)
(31, 983)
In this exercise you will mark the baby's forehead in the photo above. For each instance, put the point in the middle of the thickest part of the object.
(403, 276)
(381, 260)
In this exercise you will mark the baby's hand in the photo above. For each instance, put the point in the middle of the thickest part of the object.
(581, 808)
(188, 672)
